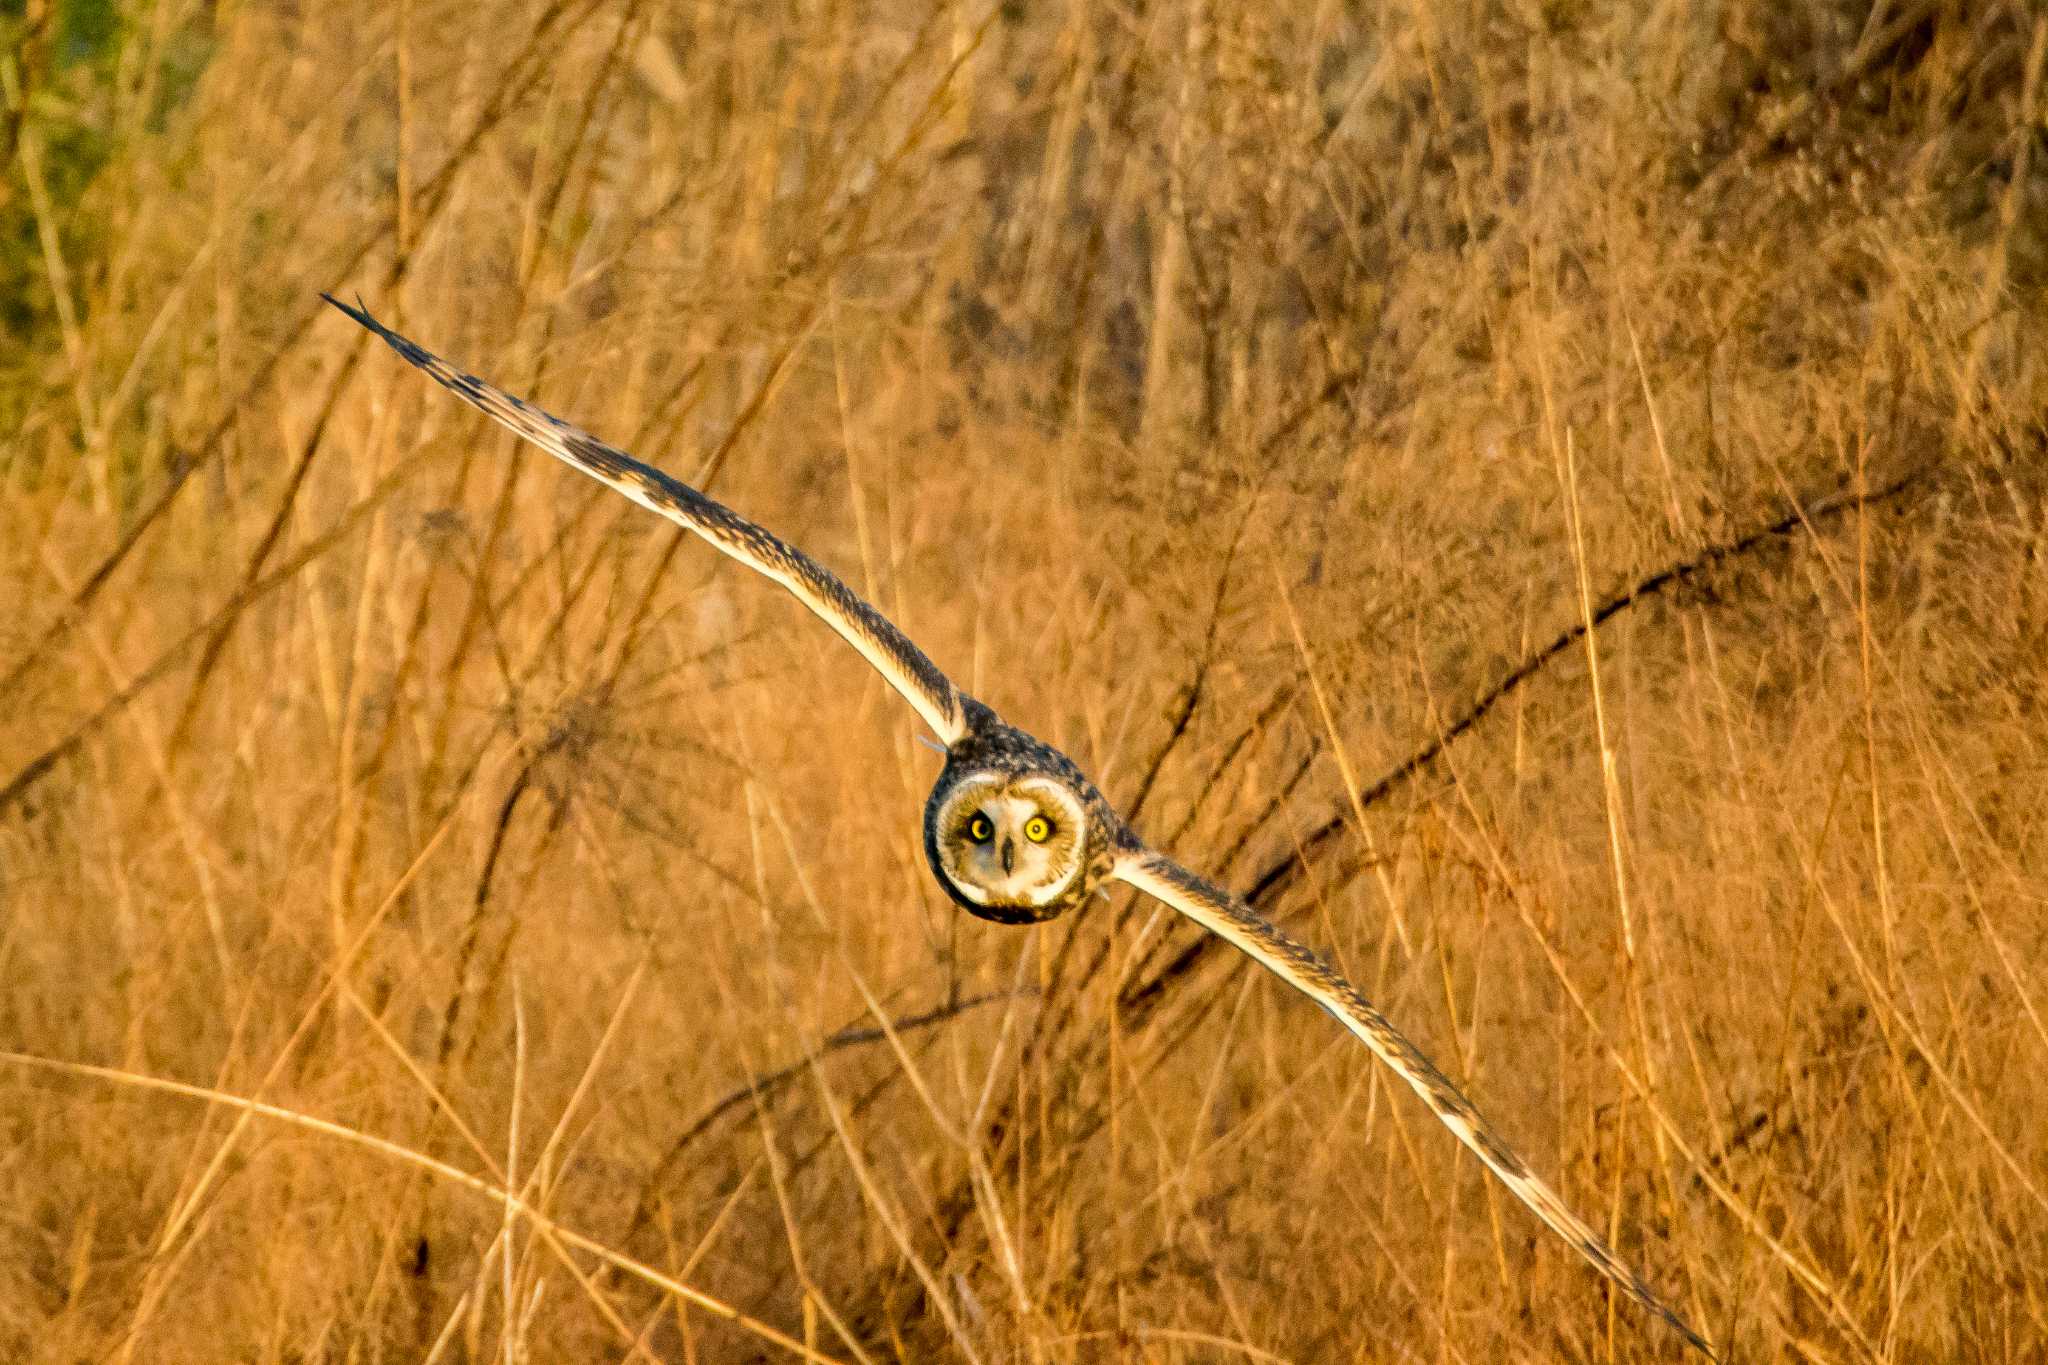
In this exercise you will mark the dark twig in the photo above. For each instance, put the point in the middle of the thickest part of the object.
(856, 215)
(1194, 693)
(42, 764)
(1277, 877)
(266, 545)
(210, 446)
(521, 783)
(765, 1086)
(1136, 1004)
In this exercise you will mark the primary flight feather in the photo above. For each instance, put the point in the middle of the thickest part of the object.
(1014, 831)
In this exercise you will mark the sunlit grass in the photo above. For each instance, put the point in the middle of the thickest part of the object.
(452, 831)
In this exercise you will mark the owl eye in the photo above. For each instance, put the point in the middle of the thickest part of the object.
(1038, 829)
(979, 829)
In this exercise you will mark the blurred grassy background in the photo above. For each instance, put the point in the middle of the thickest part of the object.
(362, 762)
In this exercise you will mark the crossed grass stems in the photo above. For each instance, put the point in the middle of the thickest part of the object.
(1066, 1059)
(1054, 1045)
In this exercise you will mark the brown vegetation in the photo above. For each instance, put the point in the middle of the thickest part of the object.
(364, 765)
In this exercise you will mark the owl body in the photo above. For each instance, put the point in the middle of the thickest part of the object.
(1014, 830)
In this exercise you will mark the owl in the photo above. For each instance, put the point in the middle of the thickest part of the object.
(1014, 830)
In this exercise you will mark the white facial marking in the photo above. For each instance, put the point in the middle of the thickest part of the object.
(1015, 842)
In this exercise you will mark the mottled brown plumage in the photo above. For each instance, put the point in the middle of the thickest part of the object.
(1031, 779)
(988, 745)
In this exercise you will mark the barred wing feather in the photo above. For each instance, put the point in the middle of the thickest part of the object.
(1229, 918)
(900, 662)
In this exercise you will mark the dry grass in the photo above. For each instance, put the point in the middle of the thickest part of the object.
(539, 898)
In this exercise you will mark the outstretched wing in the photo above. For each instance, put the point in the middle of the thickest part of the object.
(902, 663)
(1230, 918)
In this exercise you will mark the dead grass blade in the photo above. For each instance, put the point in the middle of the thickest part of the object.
(454, 1175)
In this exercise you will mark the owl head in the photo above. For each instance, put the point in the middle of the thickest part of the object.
(1011, 847)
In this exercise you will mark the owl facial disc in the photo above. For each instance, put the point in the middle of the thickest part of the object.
(1012, 848)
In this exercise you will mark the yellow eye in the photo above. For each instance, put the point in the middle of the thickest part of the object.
(1038, 829)
(980, 830)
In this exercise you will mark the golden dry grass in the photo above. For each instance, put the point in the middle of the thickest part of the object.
(370, 769)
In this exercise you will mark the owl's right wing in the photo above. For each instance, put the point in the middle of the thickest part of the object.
(1228, 917)
(902, 664)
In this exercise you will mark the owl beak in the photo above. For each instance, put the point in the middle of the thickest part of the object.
(1009, 856)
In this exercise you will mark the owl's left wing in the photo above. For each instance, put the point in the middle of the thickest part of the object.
(902, 664)
(1231, 919)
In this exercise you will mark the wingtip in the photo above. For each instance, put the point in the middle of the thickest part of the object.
(356, 311)
(360, 312)
(1671, 1317)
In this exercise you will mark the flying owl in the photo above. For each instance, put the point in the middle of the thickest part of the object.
(1013, 829)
